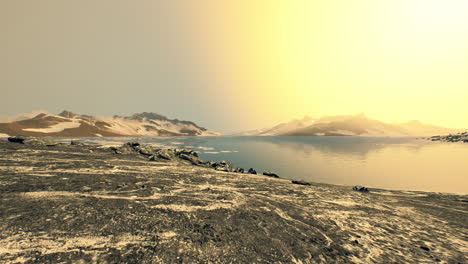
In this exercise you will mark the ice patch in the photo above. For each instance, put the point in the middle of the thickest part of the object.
(211, 152)
(205, 148)
(228, 151)
(55, 128)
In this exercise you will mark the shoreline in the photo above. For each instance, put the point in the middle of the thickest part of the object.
(85, 203)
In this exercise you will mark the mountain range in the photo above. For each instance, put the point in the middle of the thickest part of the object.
(69, 124)
(353, 125)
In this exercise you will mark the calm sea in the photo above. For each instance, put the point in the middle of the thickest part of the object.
(390, 163)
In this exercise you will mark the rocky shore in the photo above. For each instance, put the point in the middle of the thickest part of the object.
(461, 137)
(77, 203)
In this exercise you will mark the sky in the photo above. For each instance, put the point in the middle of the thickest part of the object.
(237, 65)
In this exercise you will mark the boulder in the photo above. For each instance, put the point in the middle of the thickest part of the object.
(300, 182)
(239, 170)
(251, 171)
(193, 159)
(360, 189)
(145, 150)
(167, 154)
(77, 143)
(186, 152)
(223, 166)
(212, 164)
(271, 174)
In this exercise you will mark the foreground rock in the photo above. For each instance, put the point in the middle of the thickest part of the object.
(358, 188)
(84, 204)
(301, 182)
(271, 174)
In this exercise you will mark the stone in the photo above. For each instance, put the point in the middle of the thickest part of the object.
(239, 170)
(300, 182)
(211, 163)
(186, 152)
(77, 143)
(271, 174)
(251, 171)
(167, 154)
(223, 166)
(360, 189)
(424, 248)
(145, 150)
(193, 159)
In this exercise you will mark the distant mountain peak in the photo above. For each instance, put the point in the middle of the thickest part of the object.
(147, 115)
(350, 125)
(71, 124)
(41, 115)
(68, 114)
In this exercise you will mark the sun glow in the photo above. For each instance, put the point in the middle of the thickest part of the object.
(391, 59)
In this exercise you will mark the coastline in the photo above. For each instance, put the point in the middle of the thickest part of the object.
(85, 203)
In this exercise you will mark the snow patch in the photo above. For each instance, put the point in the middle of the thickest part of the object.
(4, 135)
(55, 128)
(344, 132)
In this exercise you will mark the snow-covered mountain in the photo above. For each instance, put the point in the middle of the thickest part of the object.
(357, 125)
(69, 124)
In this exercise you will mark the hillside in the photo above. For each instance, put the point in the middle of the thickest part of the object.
(357, 125)
(69, 124)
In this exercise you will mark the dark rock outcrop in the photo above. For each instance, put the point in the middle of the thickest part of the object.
(77, 143)
(300, 182)
(157, 154)
(461, 137)
(252, 171)
(32, 141)
(239, 170)
(270, 174)
(224, 166)
(360, 189)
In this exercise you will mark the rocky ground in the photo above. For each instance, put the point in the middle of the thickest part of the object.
(461, 137)
(85, 204)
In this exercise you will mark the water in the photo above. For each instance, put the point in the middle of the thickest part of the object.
(390, 163)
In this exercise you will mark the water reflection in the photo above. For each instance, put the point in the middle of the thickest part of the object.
(392, 163)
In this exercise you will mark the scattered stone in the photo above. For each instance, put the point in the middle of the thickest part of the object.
(251, 171)
(360, 189)
(300, 182)
(271, 174)
(157, 154)
(86, 189)
(461, 137)
(239, 170)
(424, 248)
(222, 166)
(193, 159)
(77, 143)
(167, 154)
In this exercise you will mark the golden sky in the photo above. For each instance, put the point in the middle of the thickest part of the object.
(243, 64)
(393, 60)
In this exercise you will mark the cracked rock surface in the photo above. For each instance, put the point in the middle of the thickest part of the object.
(85, 204)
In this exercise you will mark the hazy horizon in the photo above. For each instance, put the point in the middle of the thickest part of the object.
(238, 65)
